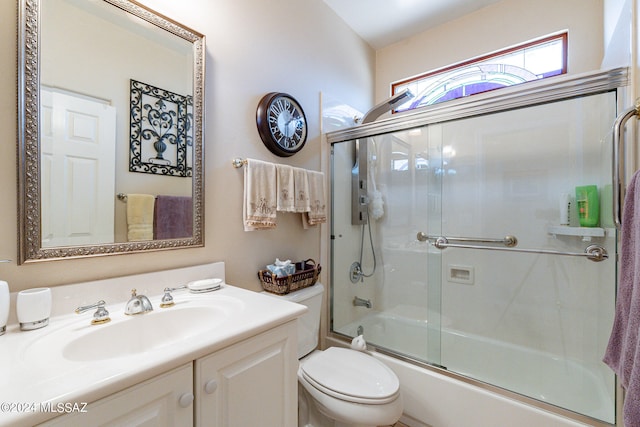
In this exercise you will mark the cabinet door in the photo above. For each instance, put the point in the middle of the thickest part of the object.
(252, 383)
(160, 401)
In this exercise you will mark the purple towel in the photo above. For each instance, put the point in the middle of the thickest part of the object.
(173, 217)
(623, 351)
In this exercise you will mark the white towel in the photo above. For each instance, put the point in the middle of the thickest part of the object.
(317, 213)
(301, 185)
(259, 207)
(286, 188)
(140, 217)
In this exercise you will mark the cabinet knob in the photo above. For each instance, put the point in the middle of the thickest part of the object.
(185, 400)
(211, 386)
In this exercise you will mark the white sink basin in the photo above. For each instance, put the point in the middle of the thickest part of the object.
(79, 341)
(142, 332)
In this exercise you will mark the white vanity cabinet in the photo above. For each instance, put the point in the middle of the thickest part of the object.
(165, 400)
(251, 383)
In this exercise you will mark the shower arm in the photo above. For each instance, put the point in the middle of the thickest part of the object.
(617, 168)
(387, 105)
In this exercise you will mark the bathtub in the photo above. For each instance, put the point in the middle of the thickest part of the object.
(435, 397)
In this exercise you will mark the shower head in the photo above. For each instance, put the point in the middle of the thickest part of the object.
(387, 105)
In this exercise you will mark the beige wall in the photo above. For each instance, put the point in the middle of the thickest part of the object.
(253, 47)
(492, 28)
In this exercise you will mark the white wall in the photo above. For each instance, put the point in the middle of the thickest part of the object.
(253, 47)
(617, 33)
(495, 27)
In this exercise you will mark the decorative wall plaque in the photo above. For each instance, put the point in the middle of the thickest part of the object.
(161, 136)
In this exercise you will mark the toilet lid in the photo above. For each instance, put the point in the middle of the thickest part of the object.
(352, 375)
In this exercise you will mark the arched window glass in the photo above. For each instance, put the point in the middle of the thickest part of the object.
(532, 61)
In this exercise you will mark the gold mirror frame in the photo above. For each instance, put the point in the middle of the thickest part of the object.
(29, 187)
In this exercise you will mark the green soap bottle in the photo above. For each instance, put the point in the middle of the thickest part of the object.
(588, 205)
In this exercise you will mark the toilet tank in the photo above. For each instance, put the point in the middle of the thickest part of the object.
(308, 323)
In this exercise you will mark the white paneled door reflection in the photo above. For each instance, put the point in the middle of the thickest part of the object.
(78, 145)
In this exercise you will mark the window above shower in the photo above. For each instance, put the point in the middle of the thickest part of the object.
(540, 59)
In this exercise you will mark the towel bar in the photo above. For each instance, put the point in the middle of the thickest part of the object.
(508, 241)
(122, 197)
(594, 253)
(238, 162)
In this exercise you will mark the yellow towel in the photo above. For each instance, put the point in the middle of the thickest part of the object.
(260, 200)
(140, 217)
(317, 213)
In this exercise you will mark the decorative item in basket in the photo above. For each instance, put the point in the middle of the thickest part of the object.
(306, 275)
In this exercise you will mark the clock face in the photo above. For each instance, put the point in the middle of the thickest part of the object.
(281, 124)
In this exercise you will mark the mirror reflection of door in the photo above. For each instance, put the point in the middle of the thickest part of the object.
(78, 169)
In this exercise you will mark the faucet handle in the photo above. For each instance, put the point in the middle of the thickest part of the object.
(167, 298)
(100, 316)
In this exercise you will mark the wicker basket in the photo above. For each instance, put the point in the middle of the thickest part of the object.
(306, 275)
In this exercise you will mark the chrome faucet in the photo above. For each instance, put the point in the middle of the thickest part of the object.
(138, 304)
(361, 302)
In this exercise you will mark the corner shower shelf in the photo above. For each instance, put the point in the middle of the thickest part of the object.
(585, 232)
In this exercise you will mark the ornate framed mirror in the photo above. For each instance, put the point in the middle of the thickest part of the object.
(83, 125)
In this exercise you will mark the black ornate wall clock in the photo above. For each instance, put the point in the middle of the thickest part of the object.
(281, 123)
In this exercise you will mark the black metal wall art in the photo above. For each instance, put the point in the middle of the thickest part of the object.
(161, 137)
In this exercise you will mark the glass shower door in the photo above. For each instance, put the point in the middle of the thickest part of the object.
(399, 276)
(532, 322)
(519, 306)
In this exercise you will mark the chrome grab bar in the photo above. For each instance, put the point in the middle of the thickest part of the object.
(617, 163)
(594, 253)
(508, 241)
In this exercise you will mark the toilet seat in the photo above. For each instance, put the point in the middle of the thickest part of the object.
(352, 376)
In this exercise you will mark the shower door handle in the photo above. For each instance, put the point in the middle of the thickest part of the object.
(617, 160)
(508, 241)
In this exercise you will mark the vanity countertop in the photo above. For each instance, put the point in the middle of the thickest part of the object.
(33, 378)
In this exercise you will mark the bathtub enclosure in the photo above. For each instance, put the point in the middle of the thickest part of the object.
(468, 263)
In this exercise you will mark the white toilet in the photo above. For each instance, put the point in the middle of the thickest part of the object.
(340, 387)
